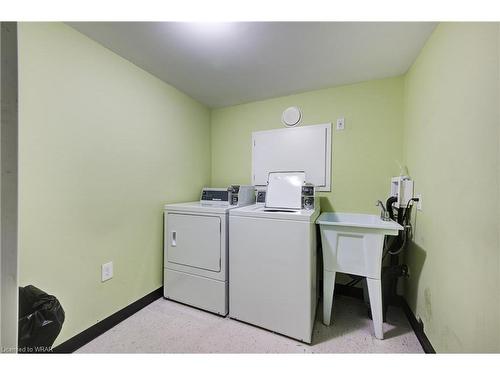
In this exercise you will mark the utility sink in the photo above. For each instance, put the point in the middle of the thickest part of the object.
(365, 221)
(353, 243)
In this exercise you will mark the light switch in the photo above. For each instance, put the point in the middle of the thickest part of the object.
(107, 271)
(340, 124)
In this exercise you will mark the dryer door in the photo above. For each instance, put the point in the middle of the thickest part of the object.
(194, 241)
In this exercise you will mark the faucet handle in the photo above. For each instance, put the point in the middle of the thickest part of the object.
(384, 215)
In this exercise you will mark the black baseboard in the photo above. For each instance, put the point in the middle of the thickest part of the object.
(99, 328)
(418, 327)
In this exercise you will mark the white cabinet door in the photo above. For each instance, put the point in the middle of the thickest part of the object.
(194, 240)
(306, 148)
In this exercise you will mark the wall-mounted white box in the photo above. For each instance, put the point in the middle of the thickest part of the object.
(402, 188)
(301, 149)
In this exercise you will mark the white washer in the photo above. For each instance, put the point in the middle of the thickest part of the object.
(272, 269)
(196, 251)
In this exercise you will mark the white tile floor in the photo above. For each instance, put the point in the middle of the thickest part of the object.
(169, 327)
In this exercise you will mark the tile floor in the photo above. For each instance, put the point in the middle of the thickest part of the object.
(169, 327)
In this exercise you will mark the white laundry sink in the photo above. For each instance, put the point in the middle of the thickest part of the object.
(359, 221)
(353, 243)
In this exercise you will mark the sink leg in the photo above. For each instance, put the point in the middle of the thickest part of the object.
(328, 288)
(375, 294)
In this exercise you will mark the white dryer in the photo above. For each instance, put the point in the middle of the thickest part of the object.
(196, 248)
(272, 263)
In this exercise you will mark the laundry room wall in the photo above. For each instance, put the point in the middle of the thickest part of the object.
(452, 150)
(365, 155)
(102, 146)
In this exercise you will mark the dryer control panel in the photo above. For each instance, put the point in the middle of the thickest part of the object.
(214, 196)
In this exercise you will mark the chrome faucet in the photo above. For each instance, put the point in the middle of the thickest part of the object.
(384, 214)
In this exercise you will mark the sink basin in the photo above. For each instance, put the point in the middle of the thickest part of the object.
(360, 221)
(354, 243)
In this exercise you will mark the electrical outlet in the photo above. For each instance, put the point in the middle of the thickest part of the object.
(340, 124)
(419, 203)
(106, 271)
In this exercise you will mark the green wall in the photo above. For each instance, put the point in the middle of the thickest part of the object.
(451, 149)
(103, 145)
(365, 154)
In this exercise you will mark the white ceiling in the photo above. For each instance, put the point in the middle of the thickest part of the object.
(222, 64)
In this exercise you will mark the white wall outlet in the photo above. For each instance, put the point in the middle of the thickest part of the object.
(340, 123)
(106, 271)
(419, 203)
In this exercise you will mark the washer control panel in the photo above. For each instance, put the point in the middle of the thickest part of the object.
(261, 196)
(308, 196)
(241, 195)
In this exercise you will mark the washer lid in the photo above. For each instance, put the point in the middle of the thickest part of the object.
(198, 207)
(284, 190)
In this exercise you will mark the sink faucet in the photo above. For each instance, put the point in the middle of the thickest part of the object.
(384, 215)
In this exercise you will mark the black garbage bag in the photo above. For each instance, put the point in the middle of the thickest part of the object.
(41, 317)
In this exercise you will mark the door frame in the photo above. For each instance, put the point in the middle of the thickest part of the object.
(8, 187)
